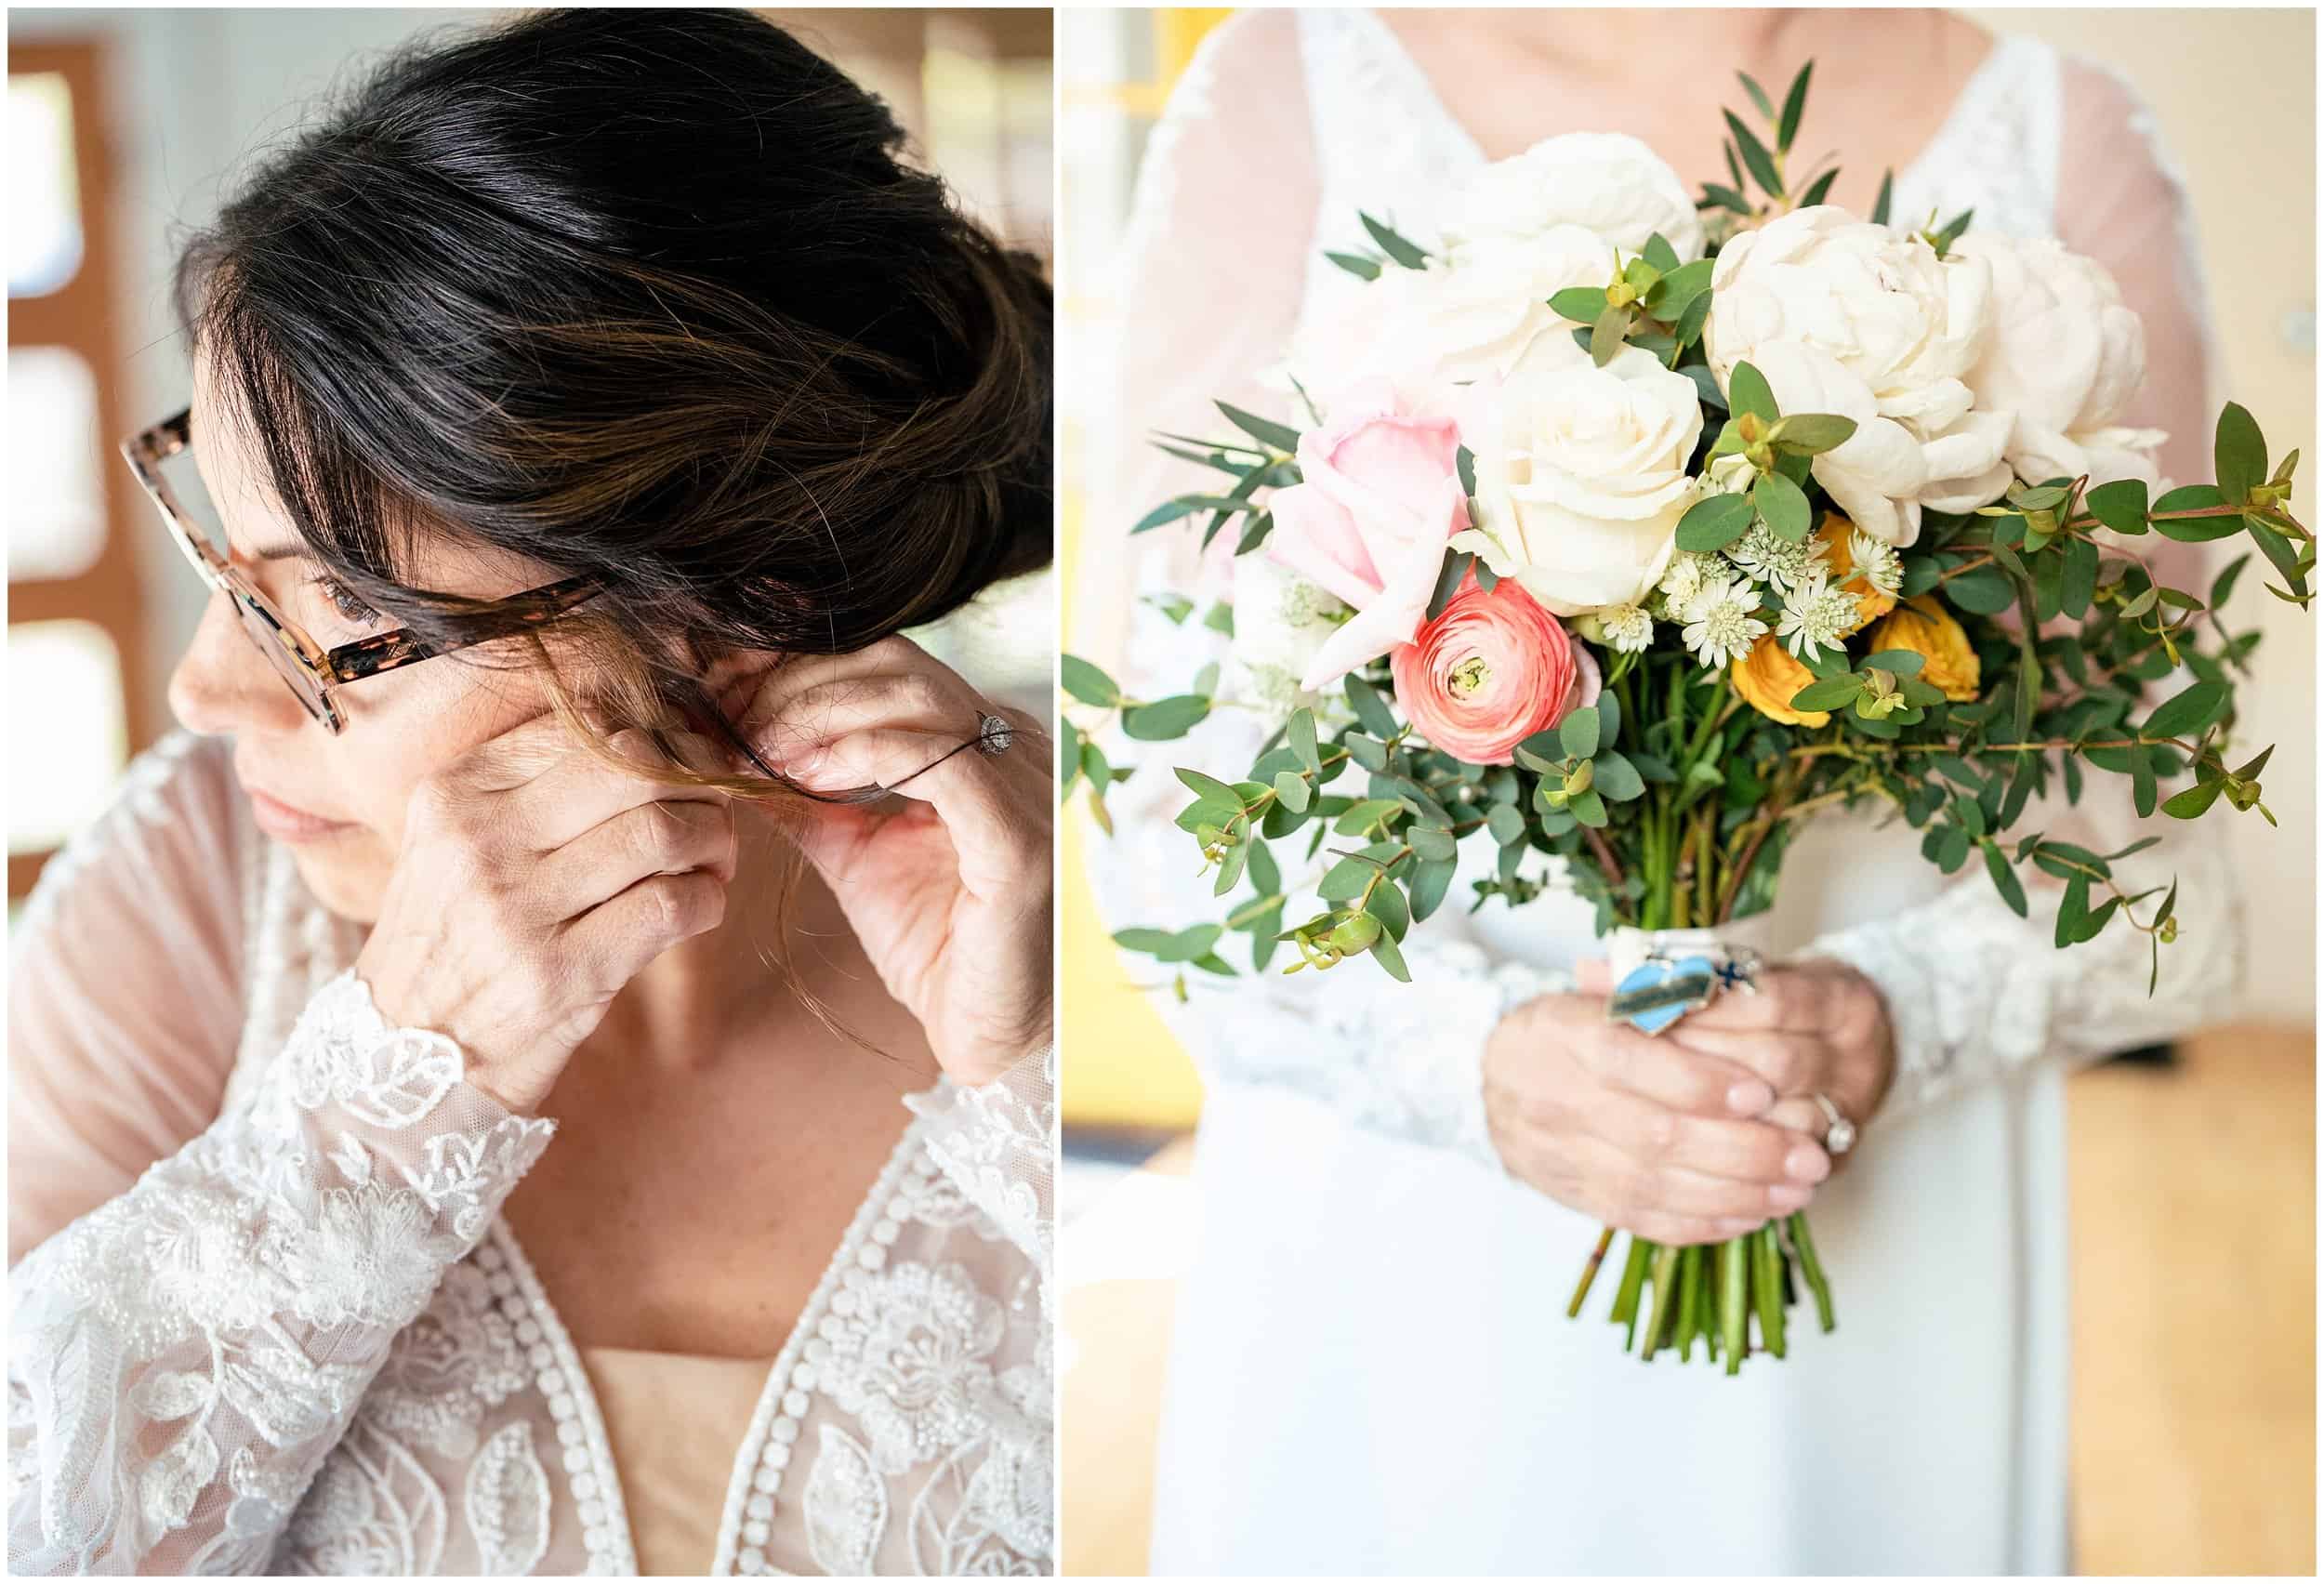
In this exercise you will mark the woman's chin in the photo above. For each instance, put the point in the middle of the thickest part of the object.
(349, 888)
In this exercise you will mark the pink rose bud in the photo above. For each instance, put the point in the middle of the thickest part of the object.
(1489, 672)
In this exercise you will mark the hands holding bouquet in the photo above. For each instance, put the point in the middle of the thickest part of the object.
(1632, 531)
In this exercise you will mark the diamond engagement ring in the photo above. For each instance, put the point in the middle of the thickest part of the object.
(1839, 1132)
(993, 734)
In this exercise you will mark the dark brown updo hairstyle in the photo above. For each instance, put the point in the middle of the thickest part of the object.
(649, 296)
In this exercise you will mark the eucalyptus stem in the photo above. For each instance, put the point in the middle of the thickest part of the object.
(1590, 1273)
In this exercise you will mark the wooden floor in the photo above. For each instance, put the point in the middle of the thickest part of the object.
(2194, 1403)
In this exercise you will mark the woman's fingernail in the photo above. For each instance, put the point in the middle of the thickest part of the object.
(1789, 1198)
(1807, 1163)
(1749, 1096)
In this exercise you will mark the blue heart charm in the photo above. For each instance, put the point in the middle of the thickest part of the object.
(1656, 994)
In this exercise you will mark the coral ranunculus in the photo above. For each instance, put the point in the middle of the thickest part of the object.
(1923, 627)
(1489, 672)
(1768, 676)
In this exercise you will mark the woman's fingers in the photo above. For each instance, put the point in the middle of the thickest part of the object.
(1749, 1152)
(582, 791)
(628, 930)
(995, 825)
(653, 837)
(1789, 1062)
(1702, 1084)
(1672, 1189)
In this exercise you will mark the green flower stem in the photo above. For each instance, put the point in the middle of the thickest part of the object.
(1767, 1288)
(1626, 1295)
(1666, 1270)
(1690, 1318)
(1590, 1273)
(1733, 1274)
(1811, 1267)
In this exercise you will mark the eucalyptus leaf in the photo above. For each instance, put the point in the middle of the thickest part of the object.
(1165, 718)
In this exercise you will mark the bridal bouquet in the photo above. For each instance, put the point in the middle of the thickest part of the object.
(1632, 529)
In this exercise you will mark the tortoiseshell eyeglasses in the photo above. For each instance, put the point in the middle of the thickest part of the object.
(163, 461)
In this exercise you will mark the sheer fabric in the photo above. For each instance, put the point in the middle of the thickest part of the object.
(1946, 1238)
(264, 1316)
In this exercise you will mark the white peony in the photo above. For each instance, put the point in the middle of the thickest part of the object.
(1608, 184)
(1281, 620)
(1847, 317)
(1581, 476)
(2067, 354)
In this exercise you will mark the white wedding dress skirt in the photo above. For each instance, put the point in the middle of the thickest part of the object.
(1372, 1370)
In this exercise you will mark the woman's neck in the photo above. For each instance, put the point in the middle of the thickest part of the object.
(783, 948)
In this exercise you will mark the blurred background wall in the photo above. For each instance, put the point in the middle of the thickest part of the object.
(2186, 1459)
(125, 125)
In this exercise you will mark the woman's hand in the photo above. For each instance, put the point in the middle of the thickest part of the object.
(534, 881)
(1814, 1027)
(1668, 1143)
(946, 883)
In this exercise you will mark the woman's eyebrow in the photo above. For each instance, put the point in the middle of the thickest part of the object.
(294, 549)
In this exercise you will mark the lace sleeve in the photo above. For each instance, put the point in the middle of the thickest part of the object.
(1972, 989)
(997, 1142)
(181, 1357)
(1211, 288)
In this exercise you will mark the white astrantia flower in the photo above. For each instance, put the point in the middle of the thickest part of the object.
(1731, 474)
(1281, 620)
(1628, 628)
(1881, 566)
(1774, 559)
(1815, 617)
(1685, 578)
(1722, 623)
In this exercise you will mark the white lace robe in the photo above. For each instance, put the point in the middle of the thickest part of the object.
(1371, 1369)
(294, 1334)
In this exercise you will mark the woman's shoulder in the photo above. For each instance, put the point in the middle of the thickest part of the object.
(176, 826)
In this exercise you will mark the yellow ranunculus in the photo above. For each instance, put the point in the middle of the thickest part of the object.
(1767, 678)
(1871, 603)
(1923, 627)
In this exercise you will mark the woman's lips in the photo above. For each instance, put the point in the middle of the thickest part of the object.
(285, 822)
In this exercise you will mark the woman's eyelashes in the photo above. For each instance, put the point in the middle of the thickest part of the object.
(345, 601)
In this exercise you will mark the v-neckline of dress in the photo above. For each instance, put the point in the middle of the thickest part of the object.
(1429, 100)
(756, 1468)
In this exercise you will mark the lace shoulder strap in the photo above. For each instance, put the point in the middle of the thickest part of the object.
(1997, 151)
(1383, 137)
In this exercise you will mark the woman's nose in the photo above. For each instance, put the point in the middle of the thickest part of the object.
(222, 685)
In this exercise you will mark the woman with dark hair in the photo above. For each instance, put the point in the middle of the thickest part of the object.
(556, 1077)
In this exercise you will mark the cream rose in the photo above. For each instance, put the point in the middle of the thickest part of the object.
(1581, 477)
(1847, 317)
(1606, 184)
(1421, 330)
(2067, 354)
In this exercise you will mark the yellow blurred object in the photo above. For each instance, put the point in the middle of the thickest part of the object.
(1121, 1068)
(1176, 31)
(1767, 678)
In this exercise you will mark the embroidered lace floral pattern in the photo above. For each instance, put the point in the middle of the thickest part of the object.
(185, 1356)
